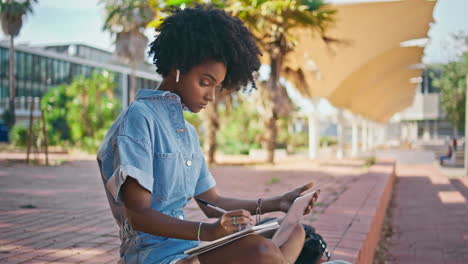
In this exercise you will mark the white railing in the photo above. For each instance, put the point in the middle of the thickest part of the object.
(22, 104)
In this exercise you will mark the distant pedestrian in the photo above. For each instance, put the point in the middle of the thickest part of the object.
(448, 155)
(454, 143)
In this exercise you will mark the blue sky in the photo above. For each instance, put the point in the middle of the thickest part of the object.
(59, 21)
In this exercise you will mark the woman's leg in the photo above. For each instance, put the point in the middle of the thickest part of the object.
(293, 247)
(254, 249)
(250, 249)
(442, 158)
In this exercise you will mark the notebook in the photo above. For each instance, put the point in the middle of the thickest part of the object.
(281, 235)
(207, 246)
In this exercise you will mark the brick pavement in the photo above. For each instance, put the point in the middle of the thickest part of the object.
(429, 217)
(352, 224)
(60, 214)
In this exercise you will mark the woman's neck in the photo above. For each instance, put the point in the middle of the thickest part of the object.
(166, 86)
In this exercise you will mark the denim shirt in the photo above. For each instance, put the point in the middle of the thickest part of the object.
(152, 143)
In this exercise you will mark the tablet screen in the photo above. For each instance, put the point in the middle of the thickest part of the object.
(292, 218)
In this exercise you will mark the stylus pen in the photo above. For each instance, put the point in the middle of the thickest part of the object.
(214, 207)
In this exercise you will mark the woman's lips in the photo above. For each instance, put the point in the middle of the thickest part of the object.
(203, 106)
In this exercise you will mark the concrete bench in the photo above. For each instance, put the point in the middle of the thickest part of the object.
(351, 225)
(453, 159)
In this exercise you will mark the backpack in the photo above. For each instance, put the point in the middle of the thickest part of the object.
(314, 246)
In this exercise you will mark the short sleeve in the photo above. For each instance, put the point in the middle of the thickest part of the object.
(132, 155)
(205, 180)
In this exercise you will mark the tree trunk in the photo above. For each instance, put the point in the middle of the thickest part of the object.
(46, 140)
(270, 136)
(133, 83)
(12, 83)
(210, 119)
(269, 100)
(30, 133)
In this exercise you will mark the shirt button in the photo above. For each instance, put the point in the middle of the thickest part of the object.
(189, 163)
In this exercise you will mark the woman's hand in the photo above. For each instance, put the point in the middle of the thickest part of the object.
(287, 199)
(231, 222)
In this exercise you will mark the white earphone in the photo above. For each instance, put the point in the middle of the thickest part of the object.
(177, 75)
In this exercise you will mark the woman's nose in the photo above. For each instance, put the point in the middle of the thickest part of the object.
(211, 95)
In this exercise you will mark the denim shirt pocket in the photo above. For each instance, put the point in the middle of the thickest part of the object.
(169, 181)
(193, 172)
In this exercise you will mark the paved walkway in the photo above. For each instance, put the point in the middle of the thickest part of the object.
(429, 214)
(60, 214)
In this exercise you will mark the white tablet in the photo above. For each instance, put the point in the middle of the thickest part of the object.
(292, 218)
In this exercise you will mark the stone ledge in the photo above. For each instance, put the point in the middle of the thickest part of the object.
(352, 224)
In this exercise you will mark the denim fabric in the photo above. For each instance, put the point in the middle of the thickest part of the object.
(152, 143)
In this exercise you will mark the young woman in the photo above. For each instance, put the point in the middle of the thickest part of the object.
(151, 162)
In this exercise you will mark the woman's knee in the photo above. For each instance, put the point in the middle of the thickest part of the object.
(299, 231)
(264, 251)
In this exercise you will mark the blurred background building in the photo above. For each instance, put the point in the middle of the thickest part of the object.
(40, 68)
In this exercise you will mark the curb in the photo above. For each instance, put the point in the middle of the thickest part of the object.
(352, 224)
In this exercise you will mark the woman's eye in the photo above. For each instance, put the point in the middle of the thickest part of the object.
(204, 84)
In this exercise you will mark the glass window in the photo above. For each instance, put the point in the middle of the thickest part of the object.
(29, 67)
(43, 69)
(19, 73)
(49, 71)
(67, 73)
(36, 90)
(56, 72)
(17, 59)
(60, 71)
(36, 69)
(3, 64)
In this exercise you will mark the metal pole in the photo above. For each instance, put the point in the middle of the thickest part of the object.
(466, 126)
(314, 137)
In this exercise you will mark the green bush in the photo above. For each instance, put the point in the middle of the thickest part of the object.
(370, 161)
(81, 112)
(19, 135)
(55, 102)
(287, 138)
(327, 141)
(241, 127)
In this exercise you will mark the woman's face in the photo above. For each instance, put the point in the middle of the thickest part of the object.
(197, 87)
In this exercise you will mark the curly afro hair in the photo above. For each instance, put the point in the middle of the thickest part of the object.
(191, 36)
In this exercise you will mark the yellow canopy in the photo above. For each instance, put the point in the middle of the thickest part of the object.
(349, 72)
(397, 87)
(403, 101)
(361, 86)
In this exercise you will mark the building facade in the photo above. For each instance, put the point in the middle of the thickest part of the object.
(425, 120)
(41, 68)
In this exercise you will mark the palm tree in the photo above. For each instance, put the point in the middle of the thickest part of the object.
(210, 118)
(272, 23)
(127, 19)
(11, 13)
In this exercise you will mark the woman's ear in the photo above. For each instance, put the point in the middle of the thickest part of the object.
(175, 74)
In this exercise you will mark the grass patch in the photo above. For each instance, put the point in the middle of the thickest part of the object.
(370, 161)
(273, 181)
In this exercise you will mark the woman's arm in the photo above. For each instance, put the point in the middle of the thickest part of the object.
(141, 217)
(227, 203)
(269, 204)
